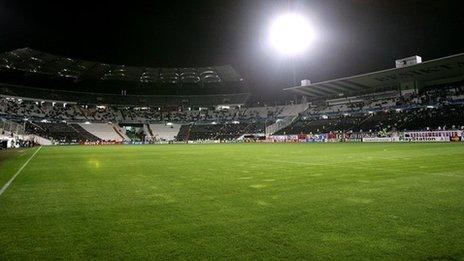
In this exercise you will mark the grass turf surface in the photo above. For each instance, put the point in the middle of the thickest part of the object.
(235, 201)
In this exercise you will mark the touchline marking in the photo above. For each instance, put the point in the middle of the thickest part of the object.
(17, 172)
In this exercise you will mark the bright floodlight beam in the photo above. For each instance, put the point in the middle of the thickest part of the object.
(291, 34)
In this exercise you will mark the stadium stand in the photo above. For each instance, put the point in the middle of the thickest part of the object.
(439, 107)
(425, 96)
(58, 110)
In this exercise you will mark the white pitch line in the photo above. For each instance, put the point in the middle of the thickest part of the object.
(17, 172)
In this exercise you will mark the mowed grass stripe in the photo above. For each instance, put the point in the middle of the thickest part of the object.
(238, 201)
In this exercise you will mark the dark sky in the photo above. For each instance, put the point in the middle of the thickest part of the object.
(353, 36)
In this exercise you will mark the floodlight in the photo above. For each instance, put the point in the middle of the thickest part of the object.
(291, 34)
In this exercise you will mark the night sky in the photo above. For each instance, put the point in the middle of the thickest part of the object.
(352, 36)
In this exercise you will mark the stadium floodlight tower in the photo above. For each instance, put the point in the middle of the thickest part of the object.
(291, 35)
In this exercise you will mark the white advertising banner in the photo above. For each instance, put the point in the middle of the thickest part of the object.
(380, 139)
(437, 136)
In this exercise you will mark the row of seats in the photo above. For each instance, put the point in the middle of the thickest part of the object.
(73, 112)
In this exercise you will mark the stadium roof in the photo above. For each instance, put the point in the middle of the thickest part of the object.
(29, 60)
(450, 68)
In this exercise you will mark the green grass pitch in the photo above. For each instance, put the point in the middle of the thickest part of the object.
(234, 201)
